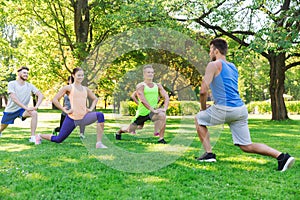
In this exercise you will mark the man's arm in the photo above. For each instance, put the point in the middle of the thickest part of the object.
(15, 99)
(133, 97)
(40, 97)
(164, 95)
(210, 72)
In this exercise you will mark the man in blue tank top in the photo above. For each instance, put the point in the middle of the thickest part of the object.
(221, 77)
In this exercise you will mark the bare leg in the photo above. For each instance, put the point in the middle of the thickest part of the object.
(162, 131)
(34, 118)
(129, 129)
(33, 125)
(100, 130)
(3, 126)
(159, 120)
(203, 135)
(46, 136)
(261, 149)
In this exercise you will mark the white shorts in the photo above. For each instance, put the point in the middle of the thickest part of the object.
(235, 117)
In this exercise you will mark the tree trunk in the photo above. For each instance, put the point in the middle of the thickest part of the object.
(277, 77)
(82, 25)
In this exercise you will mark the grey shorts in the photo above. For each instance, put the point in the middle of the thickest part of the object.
(235, 117)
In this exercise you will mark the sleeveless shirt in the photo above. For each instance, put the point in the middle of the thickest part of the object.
(224, 86)
(78, 102)
(151, 95)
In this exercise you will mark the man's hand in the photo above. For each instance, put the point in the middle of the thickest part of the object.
(30, 109)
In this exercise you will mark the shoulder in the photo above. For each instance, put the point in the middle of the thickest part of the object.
(158, 85)
(87, 89)
(214, 64)
(12, 83)
(67, 88)
(140, 85)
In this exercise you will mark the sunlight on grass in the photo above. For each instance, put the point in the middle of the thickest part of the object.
(10, 147)
(198, 165)
(245, 159)
(286, 135)
(69, 160)
(36, 176)
(167, 148)
(154, 179)
(105, 157)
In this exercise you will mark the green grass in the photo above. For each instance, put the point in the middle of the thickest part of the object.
(75, 170)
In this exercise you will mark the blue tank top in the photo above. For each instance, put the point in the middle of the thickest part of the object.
(224, 87)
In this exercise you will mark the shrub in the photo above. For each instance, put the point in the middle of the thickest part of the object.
(264, 107)
(189, 107)
(176, 108)
(128, 108)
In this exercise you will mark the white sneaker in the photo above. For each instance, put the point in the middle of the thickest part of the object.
(38, 139)
(99, 145)
(32, 139)
(82, 136)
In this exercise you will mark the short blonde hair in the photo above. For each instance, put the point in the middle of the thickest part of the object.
(147, 67)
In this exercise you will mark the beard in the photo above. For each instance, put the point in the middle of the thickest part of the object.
(23, 78)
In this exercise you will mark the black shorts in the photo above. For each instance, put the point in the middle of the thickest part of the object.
(140, 120)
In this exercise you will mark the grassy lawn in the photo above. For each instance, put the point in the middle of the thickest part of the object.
(138, 168)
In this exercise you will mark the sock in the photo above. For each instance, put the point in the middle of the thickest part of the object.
(280, 157)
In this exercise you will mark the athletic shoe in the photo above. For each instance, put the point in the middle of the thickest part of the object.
(0, 134)
(82, 136)
(99, 145)
(118, 136)
(162, 141)
(32, 139)
(38, 139)
(207, 157)
(156, 134)
(286, 162)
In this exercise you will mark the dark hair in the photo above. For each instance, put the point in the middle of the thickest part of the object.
(220, 44)
(75, 70)
(23, 67)
(71, 78)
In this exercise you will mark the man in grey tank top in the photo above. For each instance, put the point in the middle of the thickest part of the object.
(221, 77)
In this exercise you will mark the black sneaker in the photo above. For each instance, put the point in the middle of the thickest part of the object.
(286, 162)
(162, 141)
(118, 136)
(207, 157)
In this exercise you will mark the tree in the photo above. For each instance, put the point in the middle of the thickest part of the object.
(270, 28)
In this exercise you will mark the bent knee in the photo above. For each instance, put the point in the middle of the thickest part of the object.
(246, 148)
(100, 117)
(57, 139)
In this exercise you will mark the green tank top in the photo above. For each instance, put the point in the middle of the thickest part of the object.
(151, 95)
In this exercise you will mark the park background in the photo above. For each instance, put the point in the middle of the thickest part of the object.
(53, 37)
